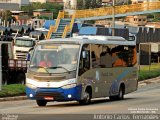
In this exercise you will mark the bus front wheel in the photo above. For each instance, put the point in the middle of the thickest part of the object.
(87, 98)
(41, 102)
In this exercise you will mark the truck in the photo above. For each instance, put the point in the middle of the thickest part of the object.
(22, 45)
(11, 70)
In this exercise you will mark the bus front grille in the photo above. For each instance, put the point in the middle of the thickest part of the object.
(55, 95)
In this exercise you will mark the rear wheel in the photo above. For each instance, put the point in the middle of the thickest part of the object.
(41, 102)
(120, 95)
(112, 98)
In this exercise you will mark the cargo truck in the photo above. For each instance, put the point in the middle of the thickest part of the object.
(11, 70)
(22, 45)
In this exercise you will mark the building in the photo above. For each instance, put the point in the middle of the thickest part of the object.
(20, 16)
(55, 1)
(43, 13)
(139, 20)
(44, 1)
(70, 4)
(41, 1)
(12, 4)
(141, 1)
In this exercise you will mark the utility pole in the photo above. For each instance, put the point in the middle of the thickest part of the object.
(0, 69)
(147, 4)
(113, 17)
(83, 4)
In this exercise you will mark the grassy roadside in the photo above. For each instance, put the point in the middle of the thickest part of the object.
(145, 72)
(12, 90)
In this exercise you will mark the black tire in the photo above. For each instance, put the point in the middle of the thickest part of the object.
(5, 78)
(87, 99)
(21, 78)
(120, 95)
(41, 102)
(112, 98)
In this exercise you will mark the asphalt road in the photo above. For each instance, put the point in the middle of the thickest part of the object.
(146, 100)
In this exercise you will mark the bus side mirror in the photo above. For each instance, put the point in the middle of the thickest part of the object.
(84, 54)
(34, 43)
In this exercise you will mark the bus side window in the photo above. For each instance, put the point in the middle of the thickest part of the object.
(132, 56)
(84, 63)
(119, 55)
(95, 55)
(105, 57)
(125, 56)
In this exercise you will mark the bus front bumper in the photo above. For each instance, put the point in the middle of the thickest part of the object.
(54, 94)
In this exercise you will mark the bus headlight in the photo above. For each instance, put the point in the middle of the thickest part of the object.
(69, 86)
(31, 86)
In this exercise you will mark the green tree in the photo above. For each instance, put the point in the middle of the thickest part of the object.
(87, 4)
(6, 15)
(54, 7)
(80, 4)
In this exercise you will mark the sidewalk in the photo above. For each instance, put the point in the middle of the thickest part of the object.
(140, 84)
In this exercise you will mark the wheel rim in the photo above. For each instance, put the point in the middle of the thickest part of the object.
(87, 97)
(121, 94)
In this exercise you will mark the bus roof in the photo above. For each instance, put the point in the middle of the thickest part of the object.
(115, 40)
(25, 38)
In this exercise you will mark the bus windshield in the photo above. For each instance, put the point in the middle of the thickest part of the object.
(26, 43)
(55, 58)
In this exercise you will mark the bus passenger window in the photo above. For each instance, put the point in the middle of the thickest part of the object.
(105, 58)
(118, 55)
(93, 56)
(125, 56)
(96, 50)
(132, 56)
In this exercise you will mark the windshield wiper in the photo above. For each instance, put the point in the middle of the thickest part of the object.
(18, 45)
(55, 67)
(46, 69)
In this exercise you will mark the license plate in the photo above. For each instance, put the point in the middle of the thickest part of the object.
(48, 98)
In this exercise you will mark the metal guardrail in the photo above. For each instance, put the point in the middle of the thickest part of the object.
(68, 28)
(123, 9)
(54, 28)
(103, 11)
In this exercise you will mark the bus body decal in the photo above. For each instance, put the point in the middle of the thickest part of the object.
(115, 84)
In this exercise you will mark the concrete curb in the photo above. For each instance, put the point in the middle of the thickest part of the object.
(149, 81)
(140, 84)
(13, 98)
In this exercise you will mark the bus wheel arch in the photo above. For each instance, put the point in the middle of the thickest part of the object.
(87, 96)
